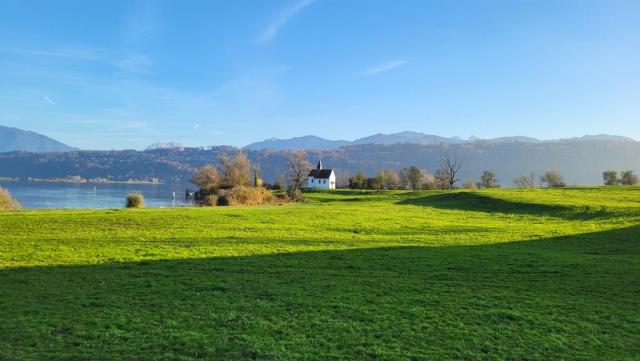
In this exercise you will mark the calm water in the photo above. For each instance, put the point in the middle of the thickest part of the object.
(71, 195)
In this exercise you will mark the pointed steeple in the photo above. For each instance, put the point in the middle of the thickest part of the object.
(319, 164)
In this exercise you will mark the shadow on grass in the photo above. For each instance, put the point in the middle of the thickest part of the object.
(471, 201)
(571, 297)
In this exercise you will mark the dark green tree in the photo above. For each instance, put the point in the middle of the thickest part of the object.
(358, 181)
(610, 177)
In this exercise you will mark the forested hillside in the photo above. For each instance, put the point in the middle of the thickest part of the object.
(581, 162)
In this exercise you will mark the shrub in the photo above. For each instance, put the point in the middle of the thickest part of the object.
(247, 196)
(295, 195)
(358, 181)
(6, 201)
(135, 200)
(235, 196)
(223, 200)
(209, 201)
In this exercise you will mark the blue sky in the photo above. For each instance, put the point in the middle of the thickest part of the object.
(124, 74)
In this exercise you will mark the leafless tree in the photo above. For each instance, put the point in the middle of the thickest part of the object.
(207, 177)
(391, 179)
(450, 166)
(441, 179)
(299, 168)
(281, 182)
(553, 179)
(489, 180)
(236, 171)
(428, 180)
(525, 181)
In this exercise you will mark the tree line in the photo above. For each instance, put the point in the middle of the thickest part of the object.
(446, 177)
(626, 178)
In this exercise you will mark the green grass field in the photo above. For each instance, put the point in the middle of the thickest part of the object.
(495, 275)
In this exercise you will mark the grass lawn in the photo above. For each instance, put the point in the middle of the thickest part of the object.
(492, 274)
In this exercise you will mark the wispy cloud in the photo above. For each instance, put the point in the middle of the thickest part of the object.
(130, 61)
(48, 100)
(381, 68)
(136, 63)
(271, 31)
(74, 52)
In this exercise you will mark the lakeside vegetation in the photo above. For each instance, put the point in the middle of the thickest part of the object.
(6, 201)
(526, 274)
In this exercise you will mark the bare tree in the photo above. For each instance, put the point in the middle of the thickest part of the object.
(428, 180)
(524, 181)
(281, 182)
(553, 179)
(299, 168)
(441, 179)
(390, 179)
(236, 171)
(489, 180)
(450, 166)
(207, 177)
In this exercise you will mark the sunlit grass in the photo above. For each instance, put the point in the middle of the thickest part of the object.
(492, 274)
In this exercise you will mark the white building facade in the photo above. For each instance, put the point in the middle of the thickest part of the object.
(321, 178)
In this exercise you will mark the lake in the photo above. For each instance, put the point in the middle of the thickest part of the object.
(87, 195)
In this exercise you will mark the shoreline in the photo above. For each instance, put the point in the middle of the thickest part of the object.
(80, 181)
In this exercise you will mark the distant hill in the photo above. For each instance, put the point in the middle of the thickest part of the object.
(516, 139)
(603, 137)
(407, 137)
(312, 142)
(580, 161)
(12, 139)
(305, 143)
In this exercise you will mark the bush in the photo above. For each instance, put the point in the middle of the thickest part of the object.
(6, 201)
(135, 200)
(295, 195)
(234, 196)
(209, 201)
(223, 201)
(247, 196)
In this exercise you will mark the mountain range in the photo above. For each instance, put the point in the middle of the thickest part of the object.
(13, 139)
(581, 160)
(312, 142)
